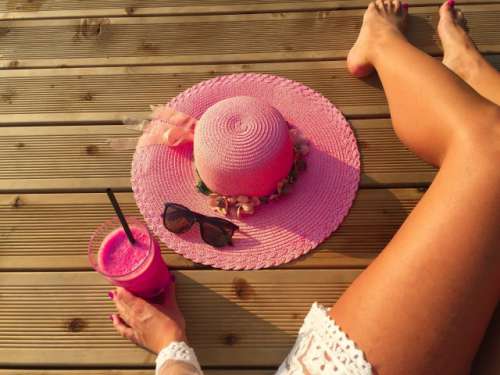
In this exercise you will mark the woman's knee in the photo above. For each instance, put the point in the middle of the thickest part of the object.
(479, 140)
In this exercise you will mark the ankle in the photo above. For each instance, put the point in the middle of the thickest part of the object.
(467, 65)
(472, 70)
(387, 40)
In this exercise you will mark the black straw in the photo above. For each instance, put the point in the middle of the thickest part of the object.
(120, 215)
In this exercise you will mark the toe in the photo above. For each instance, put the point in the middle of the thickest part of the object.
(446, 11)
(396, 5)
(372, 7)
(380, 5)
(461, 20)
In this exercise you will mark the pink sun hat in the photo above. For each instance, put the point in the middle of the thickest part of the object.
(247, 138)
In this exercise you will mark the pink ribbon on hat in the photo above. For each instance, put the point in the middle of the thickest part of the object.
(169, 127)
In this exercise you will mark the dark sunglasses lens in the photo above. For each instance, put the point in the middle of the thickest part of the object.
(215, 235)
(177, 219)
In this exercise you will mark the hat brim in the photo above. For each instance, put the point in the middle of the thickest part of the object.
(282, 230)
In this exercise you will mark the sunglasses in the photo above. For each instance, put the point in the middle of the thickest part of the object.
(214, 231)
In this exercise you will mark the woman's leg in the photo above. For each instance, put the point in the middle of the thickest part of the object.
(430, 106)
(462, 57)
(423, 305)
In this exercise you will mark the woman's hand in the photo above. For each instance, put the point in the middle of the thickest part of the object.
(151, 326)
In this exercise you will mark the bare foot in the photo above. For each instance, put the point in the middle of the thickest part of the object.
(460, 54)
(381, 18)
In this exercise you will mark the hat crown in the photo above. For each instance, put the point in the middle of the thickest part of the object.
(242, 147)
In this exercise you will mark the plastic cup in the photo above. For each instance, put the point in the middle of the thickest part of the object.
(137, 267)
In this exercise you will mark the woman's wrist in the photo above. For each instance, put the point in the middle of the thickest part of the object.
(177, 354)
(175, 335)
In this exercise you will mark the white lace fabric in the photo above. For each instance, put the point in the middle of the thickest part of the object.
(321, 348)
(177, 359)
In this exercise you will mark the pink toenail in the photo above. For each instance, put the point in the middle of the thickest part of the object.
(451, 3)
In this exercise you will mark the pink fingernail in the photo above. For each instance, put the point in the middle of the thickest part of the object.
(451, 3)
(111, 296)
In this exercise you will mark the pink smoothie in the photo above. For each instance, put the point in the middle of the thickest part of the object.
(138, 268)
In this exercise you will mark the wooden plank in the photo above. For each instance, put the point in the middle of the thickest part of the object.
(109, 94)
(81, 158)
(60, 318)
(44, 96)
(210, 39)
(21, 9)
(47, 96)
(64, 157)
(51, 231)
(482, 366)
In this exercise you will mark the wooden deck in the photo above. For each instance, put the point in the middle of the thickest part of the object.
(70, 70)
